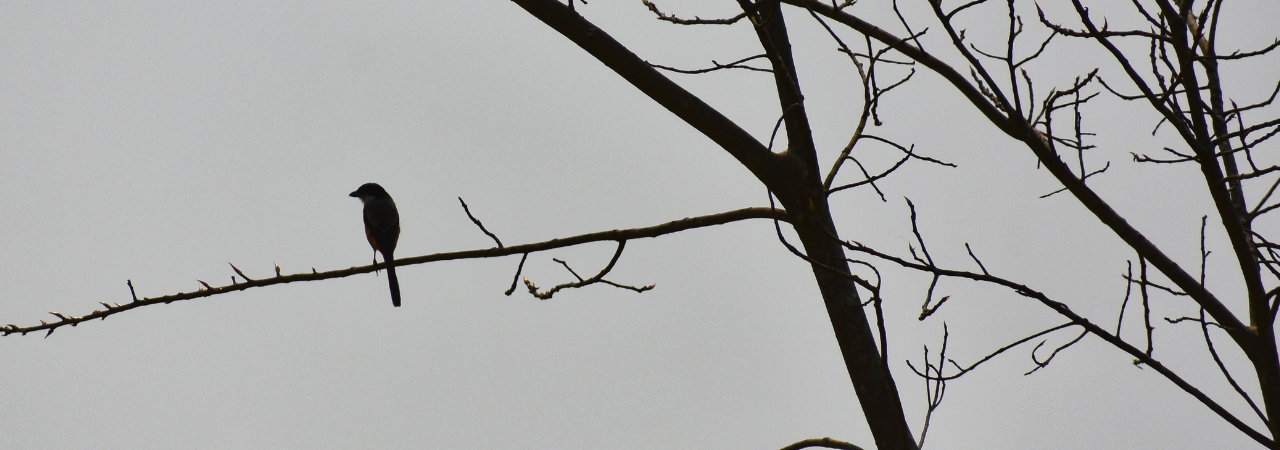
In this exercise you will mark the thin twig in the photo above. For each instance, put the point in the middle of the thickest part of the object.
(717, 66)
(477, 222)
(515, 279)
(598, 278)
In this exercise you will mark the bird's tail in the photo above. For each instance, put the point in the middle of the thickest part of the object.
(391, 278)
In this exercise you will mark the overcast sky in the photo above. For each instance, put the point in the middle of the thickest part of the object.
(159, 141)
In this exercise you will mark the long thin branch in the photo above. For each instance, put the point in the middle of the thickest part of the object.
(716, 66)
(961, 371)
(611, 235)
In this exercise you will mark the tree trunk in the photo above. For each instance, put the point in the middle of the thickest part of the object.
(792, 176)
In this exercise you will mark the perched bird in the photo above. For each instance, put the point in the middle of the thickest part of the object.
(382, 228)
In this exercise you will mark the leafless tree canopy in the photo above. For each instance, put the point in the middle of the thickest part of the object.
(1169, 63)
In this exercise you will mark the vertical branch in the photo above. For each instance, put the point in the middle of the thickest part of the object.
(1015, 28)
(771, 29)
(1146, 301)
(1128, 288)
(805, 200)
(935, 384)
(1183, 34)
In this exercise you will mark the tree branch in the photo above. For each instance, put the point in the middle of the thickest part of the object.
(1076, 319)
(688, 107)
(599, 278)
(1018, 128)
(823, 442)
(611, 235)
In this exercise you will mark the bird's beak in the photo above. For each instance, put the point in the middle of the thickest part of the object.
(353, 194)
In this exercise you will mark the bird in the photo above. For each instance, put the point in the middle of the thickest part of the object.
(382, 228)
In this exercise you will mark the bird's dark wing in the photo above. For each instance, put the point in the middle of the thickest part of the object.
(383, 223)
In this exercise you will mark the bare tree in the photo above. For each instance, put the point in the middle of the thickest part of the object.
(1170, 64)
(1178, 77)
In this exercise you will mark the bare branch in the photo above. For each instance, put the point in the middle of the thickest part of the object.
(938, 390)
(1146, 303)
(613, 235)
(964, 370)
(1128, 289)
(1254, 174)
(823, 442)
(1087, 175)
(908, 153)
(1236, 109)
(975, 259)
(1096, 34)
(598, 278)
(477, 222)
(1045, 363)
(717, 66)
(694, 21)
(1038, 144)
(693, 110)
(1038, 52)
(957, 79)
(868, 179)
(963, 7)
(516, 278)
(1241, 55)
(1204, 327)
(1145, 282)
(1075, 319)
(1206, 322)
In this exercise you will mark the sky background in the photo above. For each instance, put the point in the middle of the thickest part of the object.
(158, 141)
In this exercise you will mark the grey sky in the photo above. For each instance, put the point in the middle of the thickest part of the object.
(158, 141)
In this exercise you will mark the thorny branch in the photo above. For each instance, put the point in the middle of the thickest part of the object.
(208, 290)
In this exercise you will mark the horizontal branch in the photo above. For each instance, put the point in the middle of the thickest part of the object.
(717, 66)
(209, 291)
